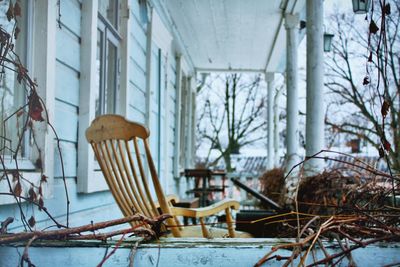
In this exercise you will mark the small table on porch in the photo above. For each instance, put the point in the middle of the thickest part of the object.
(202, 187)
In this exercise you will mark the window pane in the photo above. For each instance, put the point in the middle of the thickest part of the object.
(99, 75)
(111, 83)
(12, 94)
(108, 9)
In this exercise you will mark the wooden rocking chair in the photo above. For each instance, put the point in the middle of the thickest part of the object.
(121, 147)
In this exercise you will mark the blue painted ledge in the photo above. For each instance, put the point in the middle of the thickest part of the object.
(179, 252)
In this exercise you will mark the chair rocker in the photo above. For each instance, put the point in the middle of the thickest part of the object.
(122, 150)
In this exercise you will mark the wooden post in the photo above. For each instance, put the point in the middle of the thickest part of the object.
(229, 222)
(204, 229)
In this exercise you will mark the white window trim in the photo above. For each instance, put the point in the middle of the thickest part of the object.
(89, 179)
(177, 139)
(43, 70)
(188, 130)
(161, 36)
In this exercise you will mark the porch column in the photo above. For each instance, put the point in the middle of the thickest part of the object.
(292, 106)
(276, 127)
(188, 135)
(269, 78)
(292, 120)
(177, 137)
(315, 85)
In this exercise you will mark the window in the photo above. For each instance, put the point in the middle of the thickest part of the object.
(38, 27)
(107, 57)
(12, 93)
(101, 69)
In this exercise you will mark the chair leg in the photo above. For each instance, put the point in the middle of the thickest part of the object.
(229, 222)
(204, 229)
(177, 222)
(174, 228)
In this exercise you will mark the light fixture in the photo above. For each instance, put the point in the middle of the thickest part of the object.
(328, 41)
(302, 24)
(361, 6)
(327, 37)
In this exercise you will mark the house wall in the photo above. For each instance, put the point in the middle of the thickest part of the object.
(137, 76)
(97, 206)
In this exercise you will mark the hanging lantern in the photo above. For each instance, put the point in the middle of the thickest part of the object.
(328, 41)
(361, 6)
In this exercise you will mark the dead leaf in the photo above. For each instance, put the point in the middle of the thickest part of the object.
(15, 175)
(386, 9)
(38, 163)
(18, 189)
(35, 107)
(21, 72)
(41, 203)
(17, 10)
(32, 194)
(370, 57)
(385, 108)
(386, 145)
(366, 81)
(16, 32)
(373, 28)
(32, 221)
(43, 179)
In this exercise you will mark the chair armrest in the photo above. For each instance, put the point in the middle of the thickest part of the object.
(170, 198)
(206, 211)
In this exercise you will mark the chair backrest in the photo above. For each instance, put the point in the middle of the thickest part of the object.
(122, 150)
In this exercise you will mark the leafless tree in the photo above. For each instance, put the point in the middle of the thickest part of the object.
(363, 78)
(230, 111)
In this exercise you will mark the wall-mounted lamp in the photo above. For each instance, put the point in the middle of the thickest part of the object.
(361, 6)
(328, 41)
(327, 37)
(302, 24)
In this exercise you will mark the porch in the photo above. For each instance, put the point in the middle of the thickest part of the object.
(203, 36)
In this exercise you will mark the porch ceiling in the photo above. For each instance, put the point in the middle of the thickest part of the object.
(233, 34)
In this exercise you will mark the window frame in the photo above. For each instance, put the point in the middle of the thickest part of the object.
(109, 34)
(89, 177)
(41, 61)
(162, 38)
(24, 158)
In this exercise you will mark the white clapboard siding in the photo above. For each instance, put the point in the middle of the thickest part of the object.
(67, 84)
(67, 89)
(137, 75)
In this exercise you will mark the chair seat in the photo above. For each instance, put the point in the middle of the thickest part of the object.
(195, 231)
